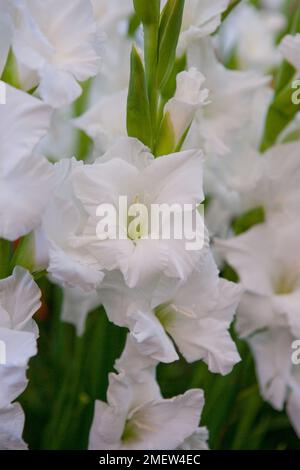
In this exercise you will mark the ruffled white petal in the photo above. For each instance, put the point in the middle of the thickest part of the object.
(19, 301)
(11, 428)
(25, 192)
(24, 120)
(59, 42)
(272, 353)
(20, 347)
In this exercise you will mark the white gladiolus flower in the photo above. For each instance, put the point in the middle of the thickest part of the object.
(195, 315)
(188, 99)
(105, 119)
(24, 120)
(230, 95)
(19, 301)
(250, 35)
(198, 318)
(234, 179)
(289, 48)
(197, 441)
(131, 308)
(26, 179)
(127, 422)
(61, 221)
(244, 180)
(136, 416)
(20, 347)
(26, 189)
(264, 257)
(57, 42)
(129, 170)
(278, 378)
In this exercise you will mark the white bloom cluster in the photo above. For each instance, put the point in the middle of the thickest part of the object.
(265, 257)
(138, 417)
(65, 67)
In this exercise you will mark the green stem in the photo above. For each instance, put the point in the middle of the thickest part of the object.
(151, 47)
(5, 253)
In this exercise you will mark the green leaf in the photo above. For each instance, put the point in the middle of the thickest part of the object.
(138, 109)
(230, 274)
(285, 75)
(147, 10)
(166, 139)
(170, 26)
(134, 23)
(168, 91)
(150, 54)
(249, 219)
